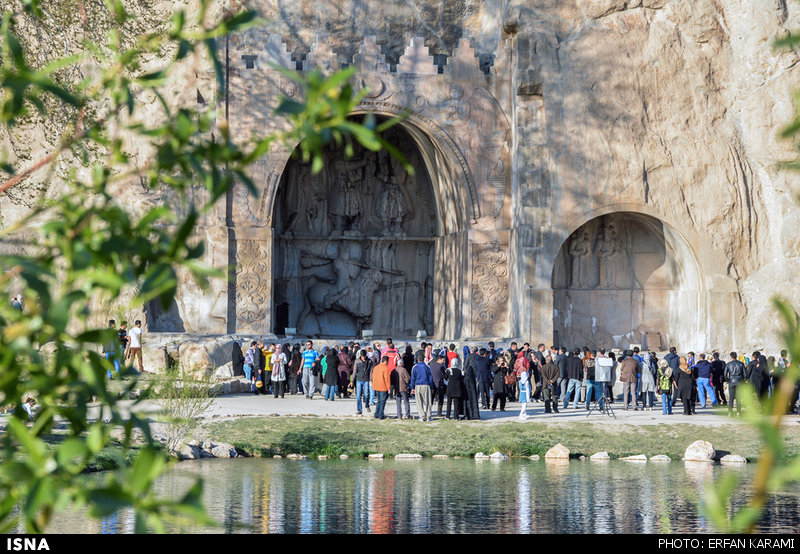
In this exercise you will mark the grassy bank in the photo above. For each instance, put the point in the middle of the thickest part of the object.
(267, 436)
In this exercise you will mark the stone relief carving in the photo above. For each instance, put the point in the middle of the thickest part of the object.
(346, 206)
(610, 252)
(351, 291)
(353, 244)
(631, 283)
(393, 205)
(601, 256)
(580, 250)
(489, 289)
(252, 281)
(477, 124)
(370, 197)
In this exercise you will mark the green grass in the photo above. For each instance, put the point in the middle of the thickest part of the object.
(313, 436)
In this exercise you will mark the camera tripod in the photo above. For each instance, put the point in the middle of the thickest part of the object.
(602, 405)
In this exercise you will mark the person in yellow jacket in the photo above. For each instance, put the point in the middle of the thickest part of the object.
(268, 351)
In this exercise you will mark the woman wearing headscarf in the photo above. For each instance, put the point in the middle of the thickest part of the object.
(278, 372)
(344, 368)
(455, 388)
(428, 354)
(647, 386)
(511, 377)
(293, 369)
(684, 383)
(524, 392)
(237, 359)
(499, 385)
(408, 358)
(759, 374)
(665, 386)
(403, 380)
(331, 376)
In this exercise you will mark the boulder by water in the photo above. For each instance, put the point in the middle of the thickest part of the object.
(699, 451)
(660, 458)
(637, 458)
(558, 452)
(733, 459)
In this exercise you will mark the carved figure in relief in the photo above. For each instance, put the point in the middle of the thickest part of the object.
(609, 250)
(392, 205)
(345, 200)
(456, 108)
(580, 248)
(351, 291)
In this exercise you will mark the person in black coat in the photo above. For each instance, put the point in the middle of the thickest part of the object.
(438, 374)
(483, 373)
(684, 382)
(237, 359)
(471, 388)
(455, 388)
(499, 387)
(260, 369)
(331, 378)
(759, 374)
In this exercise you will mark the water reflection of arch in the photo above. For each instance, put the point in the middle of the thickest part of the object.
(652, 282)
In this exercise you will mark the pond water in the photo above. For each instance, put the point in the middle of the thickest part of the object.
(452, 496)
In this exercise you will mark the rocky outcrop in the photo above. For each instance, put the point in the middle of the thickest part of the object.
(669, 109)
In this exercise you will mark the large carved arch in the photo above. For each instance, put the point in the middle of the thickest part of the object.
(627, 277)
(456, 206)
(464, 138)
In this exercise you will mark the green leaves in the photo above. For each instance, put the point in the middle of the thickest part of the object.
(323, 116)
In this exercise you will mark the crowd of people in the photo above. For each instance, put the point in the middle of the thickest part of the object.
(478, 378)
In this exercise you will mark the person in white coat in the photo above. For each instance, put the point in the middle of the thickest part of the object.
(524, 386)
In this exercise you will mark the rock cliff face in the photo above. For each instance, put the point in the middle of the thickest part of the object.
(667, 110)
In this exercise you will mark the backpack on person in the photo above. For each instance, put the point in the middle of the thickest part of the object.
(664, 382)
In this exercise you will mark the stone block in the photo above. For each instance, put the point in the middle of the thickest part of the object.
(660, 458)
(558, 452)
(733, 459)
(154, 360)
(636, 458)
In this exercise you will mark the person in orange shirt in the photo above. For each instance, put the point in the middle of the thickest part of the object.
(381, 384)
